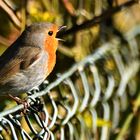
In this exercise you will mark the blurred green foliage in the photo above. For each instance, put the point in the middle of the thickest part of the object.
(70, 13)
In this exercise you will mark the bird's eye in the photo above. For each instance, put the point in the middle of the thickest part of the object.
(50, 33)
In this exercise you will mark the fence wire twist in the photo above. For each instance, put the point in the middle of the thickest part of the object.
(94, 91)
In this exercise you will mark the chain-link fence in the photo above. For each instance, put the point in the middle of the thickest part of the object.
(89, 101)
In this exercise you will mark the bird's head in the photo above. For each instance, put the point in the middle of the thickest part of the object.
(42, 35)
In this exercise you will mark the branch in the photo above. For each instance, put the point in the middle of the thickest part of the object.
(106, 14)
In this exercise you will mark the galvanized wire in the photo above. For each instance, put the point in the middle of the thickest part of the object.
(88, 93)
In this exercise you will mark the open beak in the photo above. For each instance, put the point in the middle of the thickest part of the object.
(61, 28)
(59, 32)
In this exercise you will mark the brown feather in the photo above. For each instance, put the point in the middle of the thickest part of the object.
(24, 58)
(29, 56)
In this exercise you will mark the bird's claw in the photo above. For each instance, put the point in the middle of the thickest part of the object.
(21, 101)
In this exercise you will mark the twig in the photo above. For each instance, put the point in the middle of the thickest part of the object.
(128, 121)
(11, 14)
(46, 5)
(125, 127)
(4, 41)
(106, 14)
(23, 14)
(69, 7)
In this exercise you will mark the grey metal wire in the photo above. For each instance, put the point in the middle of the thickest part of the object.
(103, 90)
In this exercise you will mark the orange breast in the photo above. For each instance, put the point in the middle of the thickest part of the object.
(51, 63)
(51, 44)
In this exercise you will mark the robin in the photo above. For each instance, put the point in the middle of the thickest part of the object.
(29, 60)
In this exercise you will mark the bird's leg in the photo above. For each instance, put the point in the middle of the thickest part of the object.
(20, 101)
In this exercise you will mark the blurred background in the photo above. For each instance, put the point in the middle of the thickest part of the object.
(90, 25)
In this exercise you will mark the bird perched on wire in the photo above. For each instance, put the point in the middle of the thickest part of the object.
(29, 60)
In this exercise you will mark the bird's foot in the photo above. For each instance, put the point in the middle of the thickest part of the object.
(20, 101)
(37, 106)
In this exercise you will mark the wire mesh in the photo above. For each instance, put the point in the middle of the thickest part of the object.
(86, 102)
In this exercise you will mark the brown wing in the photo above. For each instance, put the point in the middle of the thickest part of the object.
(28, 56)
(22, 60)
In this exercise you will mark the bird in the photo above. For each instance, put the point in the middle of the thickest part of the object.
(29, 60)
